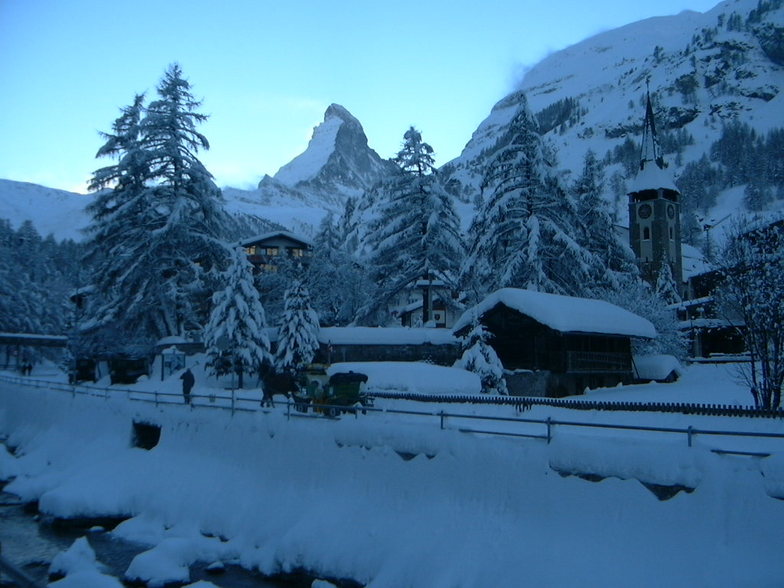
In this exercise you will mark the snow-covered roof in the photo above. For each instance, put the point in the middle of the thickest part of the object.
(385, 336)
(566, 314)
(656, 367)
(274, 234)
(710, 323)
(653, 178)
(693, 261)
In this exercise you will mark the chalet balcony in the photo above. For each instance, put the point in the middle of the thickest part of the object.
(605, 362)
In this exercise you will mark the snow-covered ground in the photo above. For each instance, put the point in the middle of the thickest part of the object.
(395, 500)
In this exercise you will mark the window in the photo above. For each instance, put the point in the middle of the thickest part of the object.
(296, 252)
(646, 233)
(252, 250)
(271, 251)
(671, 237)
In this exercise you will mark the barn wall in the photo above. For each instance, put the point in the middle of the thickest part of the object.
(438, 354)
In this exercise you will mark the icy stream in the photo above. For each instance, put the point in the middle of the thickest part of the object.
(31, 543)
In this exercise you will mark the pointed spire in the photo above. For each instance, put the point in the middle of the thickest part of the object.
(650, 142)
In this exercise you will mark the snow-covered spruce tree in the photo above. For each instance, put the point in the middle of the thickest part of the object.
(154, 237)
(525, 234)
(415, 240)
(637, 296)
(297, 332)
(596, 231)
(752, 288)
(234, 337)
(480, 358)
(36, 277)
(19, 296)
(338, 283)
(666, 288)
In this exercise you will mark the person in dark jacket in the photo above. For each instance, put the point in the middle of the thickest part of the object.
(188, 380)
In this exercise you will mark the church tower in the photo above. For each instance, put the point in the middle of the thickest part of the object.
(655, 210)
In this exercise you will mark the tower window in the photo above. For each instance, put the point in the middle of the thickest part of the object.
(671, 236)
(646, 233)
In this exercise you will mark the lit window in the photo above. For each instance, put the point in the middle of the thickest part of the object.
(271, 251)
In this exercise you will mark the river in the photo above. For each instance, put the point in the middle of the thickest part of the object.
(30, 543)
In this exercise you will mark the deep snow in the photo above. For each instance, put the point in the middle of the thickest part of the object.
(394, 500)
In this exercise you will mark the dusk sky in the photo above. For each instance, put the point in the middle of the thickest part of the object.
(266, 71)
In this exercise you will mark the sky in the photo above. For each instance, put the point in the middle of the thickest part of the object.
(266, 71)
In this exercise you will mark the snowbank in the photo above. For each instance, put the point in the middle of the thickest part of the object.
(411, 377)
(395, 500)
(656, 367)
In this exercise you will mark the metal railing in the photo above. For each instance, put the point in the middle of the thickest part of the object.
(512, 426)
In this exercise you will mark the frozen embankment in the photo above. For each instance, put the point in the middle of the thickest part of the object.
(336, 497)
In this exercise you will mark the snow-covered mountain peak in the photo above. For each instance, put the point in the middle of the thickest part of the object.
(337, 164)
(705, 71)
(338, 111)
(309, 163)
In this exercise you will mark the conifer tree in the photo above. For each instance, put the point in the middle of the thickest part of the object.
(154, 237)
(525, 233)
(596, 231)
(416, 237)
(339, 284)
(666, 288)
(298, 331)
(235, 336)
(480, 358)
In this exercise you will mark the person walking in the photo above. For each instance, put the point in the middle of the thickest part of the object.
(188, 380)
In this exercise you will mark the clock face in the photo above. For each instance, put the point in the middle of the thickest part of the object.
(670, 211)
(645, 210)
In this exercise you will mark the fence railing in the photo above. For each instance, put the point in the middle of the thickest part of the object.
(512, 426)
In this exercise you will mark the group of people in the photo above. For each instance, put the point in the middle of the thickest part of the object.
(26, 368)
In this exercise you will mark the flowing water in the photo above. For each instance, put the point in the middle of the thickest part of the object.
(30, 544)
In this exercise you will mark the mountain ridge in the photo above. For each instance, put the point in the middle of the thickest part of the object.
(704, 70)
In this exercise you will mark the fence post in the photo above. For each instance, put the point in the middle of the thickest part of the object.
(549, 429)
(442, 415)
(232, 401)
(689, 433)
(288, 409)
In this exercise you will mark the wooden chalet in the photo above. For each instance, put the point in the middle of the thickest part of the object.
(265, 251)
(553, 345)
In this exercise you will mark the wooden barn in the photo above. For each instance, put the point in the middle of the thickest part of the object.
(553, 345)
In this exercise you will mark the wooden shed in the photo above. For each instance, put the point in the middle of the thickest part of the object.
(553, 345)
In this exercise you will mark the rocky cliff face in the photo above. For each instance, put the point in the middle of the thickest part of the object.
(337, 164)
